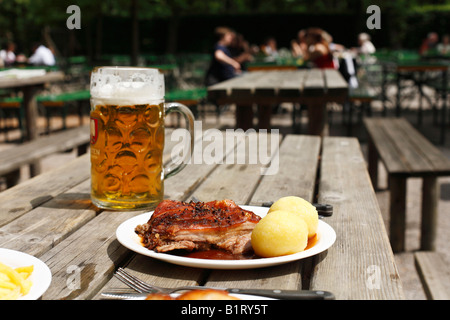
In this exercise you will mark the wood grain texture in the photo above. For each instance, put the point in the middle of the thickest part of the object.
(434, 274)
(360, 265)
(403, 150)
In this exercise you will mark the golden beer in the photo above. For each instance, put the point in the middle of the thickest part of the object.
(127, 137)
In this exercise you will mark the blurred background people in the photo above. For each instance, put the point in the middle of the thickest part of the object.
(42, 56)
(444, 47)
(241, 51)
(223, 66)
(365, 44)
(270, 47)
(298, 45)
(8, 55)
(318, 52)
(429, 43)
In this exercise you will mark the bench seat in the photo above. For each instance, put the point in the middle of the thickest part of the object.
(434, 274)
(31, 152)
(406, 153)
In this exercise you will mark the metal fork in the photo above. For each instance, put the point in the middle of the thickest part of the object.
(143, 287)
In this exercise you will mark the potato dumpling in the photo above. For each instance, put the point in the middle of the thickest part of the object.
(301, 207)
(279, 233)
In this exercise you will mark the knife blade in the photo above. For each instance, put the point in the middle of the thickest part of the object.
(275, 294)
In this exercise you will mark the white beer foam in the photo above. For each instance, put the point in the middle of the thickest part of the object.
(127, 85)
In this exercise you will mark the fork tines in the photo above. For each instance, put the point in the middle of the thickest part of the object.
(133, 282)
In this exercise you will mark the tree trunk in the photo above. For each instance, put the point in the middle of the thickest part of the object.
(134, 33)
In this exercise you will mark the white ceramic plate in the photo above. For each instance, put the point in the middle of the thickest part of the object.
(41, 276)
(127, 237)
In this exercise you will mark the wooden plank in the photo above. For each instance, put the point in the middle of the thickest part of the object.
(31, 81)
(292, 84)
(241, 85)
(18, 200)
(314, 83)
(242, 165)
(42, 228)
(361, 255)
(37, 149)
(403, 150)
(296, 176)
(297, 171)
(434, 274)
(84, 261)
(335, 83)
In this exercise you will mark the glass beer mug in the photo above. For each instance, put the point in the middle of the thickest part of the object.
(127, 137)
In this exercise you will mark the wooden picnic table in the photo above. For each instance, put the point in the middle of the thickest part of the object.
(51, 217)
(30, 87)
(312, 87)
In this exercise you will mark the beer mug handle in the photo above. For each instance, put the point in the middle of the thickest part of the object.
(173, 167)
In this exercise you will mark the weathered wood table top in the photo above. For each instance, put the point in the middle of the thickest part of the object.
(30, 87)
(313, 87)
(51, 217)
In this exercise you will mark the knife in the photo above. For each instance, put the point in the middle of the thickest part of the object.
(276, 294)
(324, 210)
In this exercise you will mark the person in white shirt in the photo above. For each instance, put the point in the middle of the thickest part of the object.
(7, 55)
(444, 47)
(365, 45)
(42, 56)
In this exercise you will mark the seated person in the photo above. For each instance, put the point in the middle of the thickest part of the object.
(8, 54)
(223, 66)
(42, 56)
(444, 47)
(318, 49)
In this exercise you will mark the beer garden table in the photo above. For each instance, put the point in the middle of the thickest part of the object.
(30, 86)
(52, 218)
(312, 87)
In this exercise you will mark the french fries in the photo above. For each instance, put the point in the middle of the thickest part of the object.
(14, 282)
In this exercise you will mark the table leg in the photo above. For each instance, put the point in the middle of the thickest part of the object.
(264, 116)
(397, 212)
(373, 163)
(31, 116)
(430, 196)
(244, 116)
(444, 106)
(316, 118)
(398, 105)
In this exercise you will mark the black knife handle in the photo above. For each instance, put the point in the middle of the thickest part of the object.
(323, 209)
(287, 294)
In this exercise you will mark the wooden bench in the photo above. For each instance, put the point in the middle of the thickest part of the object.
(406, 153)
(12, 106)
(189, 97)
(61, 103)
(434, 274)
(29, 153)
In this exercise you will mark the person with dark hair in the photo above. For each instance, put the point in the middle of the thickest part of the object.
(429, 43)
(241, 51)
(223, 66)
(318, 48)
